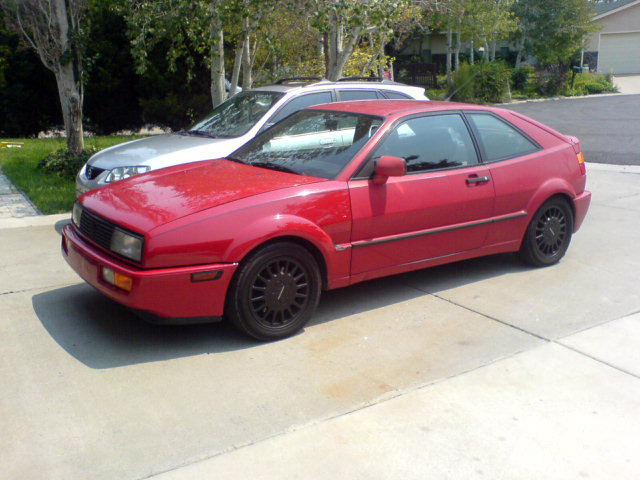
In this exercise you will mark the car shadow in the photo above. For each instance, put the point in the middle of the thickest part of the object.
(102, 334)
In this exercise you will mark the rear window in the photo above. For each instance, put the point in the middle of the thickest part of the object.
(500, 140)
(395, 95)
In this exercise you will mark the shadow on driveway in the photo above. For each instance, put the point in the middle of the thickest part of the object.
(102, 334)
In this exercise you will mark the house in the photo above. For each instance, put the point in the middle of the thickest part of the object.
(616, 46)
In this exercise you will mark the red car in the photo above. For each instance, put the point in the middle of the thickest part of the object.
(330, 196)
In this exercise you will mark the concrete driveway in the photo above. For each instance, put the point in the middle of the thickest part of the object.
(481, 369)
(627, 84)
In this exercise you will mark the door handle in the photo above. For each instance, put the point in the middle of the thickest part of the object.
(476, 180)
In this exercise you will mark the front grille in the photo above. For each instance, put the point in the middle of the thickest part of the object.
(93, 172)
(96, 228)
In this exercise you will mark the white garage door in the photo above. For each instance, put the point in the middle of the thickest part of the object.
(619, 53)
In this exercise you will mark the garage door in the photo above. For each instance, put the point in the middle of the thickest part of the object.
(619, 53)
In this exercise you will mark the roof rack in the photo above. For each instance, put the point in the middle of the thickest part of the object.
(361, 79)
(282, 81)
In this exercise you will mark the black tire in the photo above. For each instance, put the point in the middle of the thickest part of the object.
(275, 291)
(548, 235)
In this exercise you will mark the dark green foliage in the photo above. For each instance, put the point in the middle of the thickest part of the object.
(63, 164)
(484, 82)
(594, 87)
(520, 76)
(28, 96)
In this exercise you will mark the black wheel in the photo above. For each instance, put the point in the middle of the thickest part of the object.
(548, 235)
(275, 291)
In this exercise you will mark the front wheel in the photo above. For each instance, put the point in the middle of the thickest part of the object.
(548, 235)
(275, 291)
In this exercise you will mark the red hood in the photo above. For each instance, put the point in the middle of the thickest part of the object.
(155, 198)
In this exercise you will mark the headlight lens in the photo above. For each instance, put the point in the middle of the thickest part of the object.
(127, 245)
(120, 173)
(76, 213)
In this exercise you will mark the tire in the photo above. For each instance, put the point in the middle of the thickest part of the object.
(274, 292)
(548, 235)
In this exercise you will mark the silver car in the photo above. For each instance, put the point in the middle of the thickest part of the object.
(230, 125)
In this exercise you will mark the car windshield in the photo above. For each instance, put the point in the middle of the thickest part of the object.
(310, 142)
(237, 115)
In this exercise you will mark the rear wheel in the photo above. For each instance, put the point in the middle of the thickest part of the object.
(275, 291)
(549, 234)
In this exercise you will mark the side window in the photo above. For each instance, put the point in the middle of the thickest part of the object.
(499, 139)
(347, 95)
(430, 143)
(395, 95)
(301, 102)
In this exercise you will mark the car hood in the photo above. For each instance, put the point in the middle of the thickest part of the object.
(165, 150)
(146, 201)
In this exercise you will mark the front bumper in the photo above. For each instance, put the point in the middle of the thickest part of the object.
(167, 293)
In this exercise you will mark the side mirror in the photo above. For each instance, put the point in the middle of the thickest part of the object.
(389, 166)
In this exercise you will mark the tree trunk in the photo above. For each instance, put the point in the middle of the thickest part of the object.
(337, 54)
(471, 53)
(449, 50)
(520, 50)
(218, 93)
(58, 36)
(71, 100)
(457, 52)
(246, 57)
(235, 75)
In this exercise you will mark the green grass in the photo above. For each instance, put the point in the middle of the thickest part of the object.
(49, 192)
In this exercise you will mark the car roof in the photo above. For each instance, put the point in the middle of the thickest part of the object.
(387, 108)
(285, 87)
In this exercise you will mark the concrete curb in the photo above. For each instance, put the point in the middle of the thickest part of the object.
(33, 221)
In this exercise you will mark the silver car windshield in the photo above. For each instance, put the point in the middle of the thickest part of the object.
(310, 142)
(236, 116)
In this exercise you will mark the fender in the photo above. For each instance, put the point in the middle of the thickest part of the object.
(553, 186)
(265, 229)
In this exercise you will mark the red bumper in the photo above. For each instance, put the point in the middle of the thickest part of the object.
(167, 293)
(581, 204)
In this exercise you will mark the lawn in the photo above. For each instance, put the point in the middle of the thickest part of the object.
(49, 192)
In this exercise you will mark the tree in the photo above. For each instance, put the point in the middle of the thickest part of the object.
(343, 24)
(197, 31)
(53, 29)
(554, 32)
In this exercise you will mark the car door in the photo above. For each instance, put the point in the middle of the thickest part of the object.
(518, 167)
(440, 207)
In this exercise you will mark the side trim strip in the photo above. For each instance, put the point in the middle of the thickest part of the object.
(431, 231)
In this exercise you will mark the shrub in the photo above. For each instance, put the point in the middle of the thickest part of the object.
(63, 164)
(463, 83)
(485, 82)
(520, 76)
(594, 87)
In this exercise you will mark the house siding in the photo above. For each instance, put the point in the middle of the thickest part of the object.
(624, 21)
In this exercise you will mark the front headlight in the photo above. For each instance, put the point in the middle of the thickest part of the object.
(76, 214)
(120, 173)
(127, 244)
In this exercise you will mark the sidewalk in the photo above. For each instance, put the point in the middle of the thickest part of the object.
(13, 204)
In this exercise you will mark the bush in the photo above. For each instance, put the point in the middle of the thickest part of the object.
(63, 164)
(594, 87)
(484, 82)
(520, 77)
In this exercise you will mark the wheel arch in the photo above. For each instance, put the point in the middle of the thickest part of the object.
(310, 247)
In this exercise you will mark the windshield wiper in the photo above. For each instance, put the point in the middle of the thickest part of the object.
(274, 166)
(196, 133)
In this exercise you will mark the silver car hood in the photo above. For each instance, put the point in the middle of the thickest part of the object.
(164, 150)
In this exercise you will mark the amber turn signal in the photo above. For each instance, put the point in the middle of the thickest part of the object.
(117, 279)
